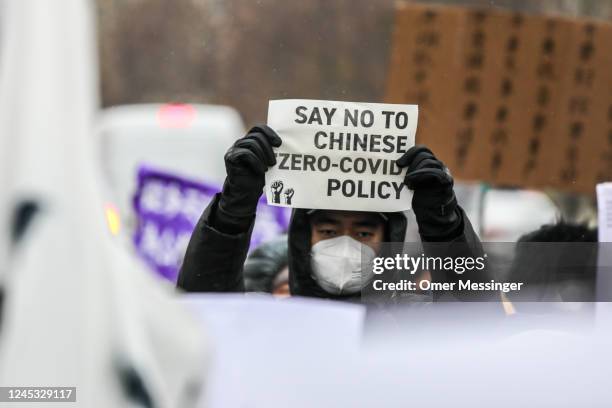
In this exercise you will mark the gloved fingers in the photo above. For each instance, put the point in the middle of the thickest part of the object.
(420, 158)
(408, 157)
(427, 177)
(272, 137)
(426, 163)
(240, 155)
(266, 148)
(250, 143)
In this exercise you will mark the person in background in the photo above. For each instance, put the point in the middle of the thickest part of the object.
(557, 263)
(267, 269)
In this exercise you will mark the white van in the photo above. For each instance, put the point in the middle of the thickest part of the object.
(184, 139)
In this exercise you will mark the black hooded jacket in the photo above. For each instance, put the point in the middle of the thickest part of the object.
(214, 260)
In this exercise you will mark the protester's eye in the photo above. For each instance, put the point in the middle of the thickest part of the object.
(327, 232)
(365, 234)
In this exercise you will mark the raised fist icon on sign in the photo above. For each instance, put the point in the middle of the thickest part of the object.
(288, 195)
(277, 188)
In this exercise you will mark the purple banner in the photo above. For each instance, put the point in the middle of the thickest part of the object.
(167, 208)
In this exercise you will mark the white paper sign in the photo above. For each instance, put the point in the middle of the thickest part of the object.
(340, 155)
(604, 210)
(604, 261)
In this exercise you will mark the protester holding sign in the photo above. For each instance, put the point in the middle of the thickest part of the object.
(325, 245)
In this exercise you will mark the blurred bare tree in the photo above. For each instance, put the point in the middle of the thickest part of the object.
(244, 52)
(311, 49)
(155, 50)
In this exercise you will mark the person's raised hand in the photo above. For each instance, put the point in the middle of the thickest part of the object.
(246, 163)
(434, 203)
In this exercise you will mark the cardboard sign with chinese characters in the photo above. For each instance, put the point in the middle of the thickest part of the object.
(512, 99)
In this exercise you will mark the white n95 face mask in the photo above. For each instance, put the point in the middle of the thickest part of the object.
(336, 264)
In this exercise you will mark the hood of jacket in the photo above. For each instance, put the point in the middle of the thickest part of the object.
(301, 282)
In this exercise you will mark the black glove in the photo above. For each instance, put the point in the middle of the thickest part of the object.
(245, 163)
(434, 203)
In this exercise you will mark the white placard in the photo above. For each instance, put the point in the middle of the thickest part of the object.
(340, 155)
(604, 210)
(604, 260)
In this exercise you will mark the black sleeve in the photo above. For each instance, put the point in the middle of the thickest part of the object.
(214, 259)
(466, 244)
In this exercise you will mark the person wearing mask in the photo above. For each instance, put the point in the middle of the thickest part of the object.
(324, 246)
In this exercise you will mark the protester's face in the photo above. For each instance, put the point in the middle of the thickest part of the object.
(367, 228)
